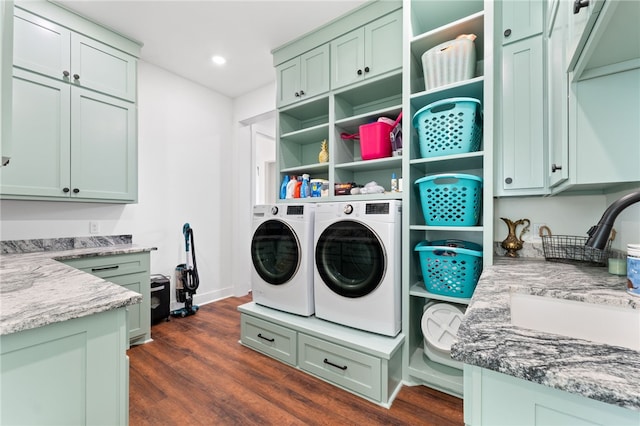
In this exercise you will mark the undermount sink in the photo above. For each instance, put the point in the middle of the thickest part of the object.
(608, 324)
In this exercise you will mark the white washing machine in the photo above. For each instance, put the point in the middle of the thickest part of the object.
(357, 272)
(282, 257)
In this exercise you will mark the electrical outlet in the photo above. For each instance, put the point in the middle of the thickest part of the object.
(94, 227)
(536, 230)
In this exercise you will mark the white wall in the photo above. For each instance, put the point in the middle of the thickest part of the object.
(184, 132)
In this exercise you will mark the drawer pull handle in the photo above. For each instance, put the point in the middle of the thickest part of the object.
(105, 268)
(341, 367)
(266, 338)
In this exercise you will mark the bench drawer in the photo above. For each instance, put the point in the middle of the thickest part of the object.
(350, 369)
(269, 338)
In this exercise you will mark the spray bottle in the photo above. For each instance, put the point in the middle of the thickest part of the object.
(305, 189)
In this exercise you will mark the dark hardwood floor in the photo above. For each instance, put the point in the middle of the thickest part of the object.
(195, 372)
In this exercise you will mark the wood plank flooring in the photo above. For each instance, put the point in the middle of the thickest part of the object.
(195, 372)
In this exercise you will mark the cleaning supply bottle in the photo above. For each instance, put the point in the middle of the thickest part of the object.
(291, 186)
(296, 188)
(394, 183)
(305, 190)
(283, 187)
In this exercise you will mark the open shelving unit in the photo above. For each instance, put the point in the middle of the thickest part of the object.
(428, 24)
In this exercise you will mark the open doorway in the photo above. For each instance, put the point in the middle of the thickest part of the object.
(263, 147)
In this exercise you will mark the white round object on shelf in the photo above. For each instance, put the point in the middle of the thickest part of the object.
(440, 323)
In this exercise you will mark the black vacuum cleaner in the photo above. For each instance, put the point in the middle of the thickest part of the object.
(187, 279)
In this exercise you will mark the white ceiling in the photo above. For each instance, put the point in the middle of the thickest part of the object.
(182, 36)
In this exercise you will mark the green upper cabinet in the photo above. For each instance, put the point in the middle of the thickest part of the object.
(103, 147)
(557, 87)
(521, 167)
(47, 48)
(521, 19)
(84, 146)
(367, 51)
(6, 84)
(81, 93)
(303, 77)
(41, 157)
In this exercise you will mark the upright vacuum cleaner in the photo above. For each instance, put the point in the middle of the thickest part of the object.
(187, 279)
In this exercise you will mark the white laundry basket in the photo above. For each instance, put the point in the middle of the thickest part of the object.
(449, 62)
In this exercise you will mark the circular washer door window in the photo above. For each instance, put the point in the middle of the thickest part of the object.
(275, 252)
(350, 259)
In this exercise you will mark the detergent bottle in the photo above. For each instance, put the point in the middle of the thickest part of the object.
(283, 187)
(291, 186)
(296, 188)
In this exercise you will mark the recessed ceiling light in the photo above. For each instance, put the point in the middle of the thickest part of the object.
(218, 60)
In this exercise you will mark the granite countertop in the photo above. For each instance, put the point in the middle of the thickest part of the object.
(36, 289)
(486, 337)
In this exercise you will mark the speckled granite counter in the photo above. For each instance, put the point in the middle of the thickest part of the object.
(37, 290)
(486, 337)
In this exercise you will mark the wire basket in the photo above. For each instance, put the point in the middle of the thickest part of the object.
(573, 249)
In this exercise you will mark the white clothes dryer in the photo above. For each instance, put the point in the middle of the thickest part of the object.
(282, 257)
(357, 272)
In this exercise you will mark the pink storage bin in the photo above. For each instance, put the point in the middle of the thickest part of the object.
(375, 140)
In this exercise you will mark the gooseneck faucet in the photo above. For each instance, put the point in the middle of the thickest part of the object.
(599, 233)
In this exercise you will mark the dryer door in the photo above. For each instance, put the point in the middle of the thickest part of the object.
(350, 259)
(275, 252)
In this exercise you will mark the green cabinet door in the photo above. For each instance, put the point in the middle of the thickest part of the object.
(40, 161)
(521, 19)
(102, 68)
(557, 101)
(138, 316)
(6, 81)
(288, 82)
(368, 51)
(347, 59)
(73, 372)
(103, 147)
(523, 159)
(383, 45)
(314, 72)
(41, 46)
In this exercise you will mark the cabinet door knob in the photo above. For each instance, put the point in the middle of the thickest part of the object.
(507, 32)
(301, 92)
(508, 181)
(359, 72)
(579, 4)
(76, 77)
(366, 69)
(65, 190)
(297, 95)
(65, 73)
(76, 190)
(555, 168)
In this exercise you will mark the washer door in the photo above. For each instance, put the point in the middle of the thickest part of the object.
(275, 252)
(350, 259)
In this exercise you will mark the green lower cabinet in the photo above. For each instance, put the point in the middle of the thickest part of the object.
(74, 372)
(132, 272)
(495, 399)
